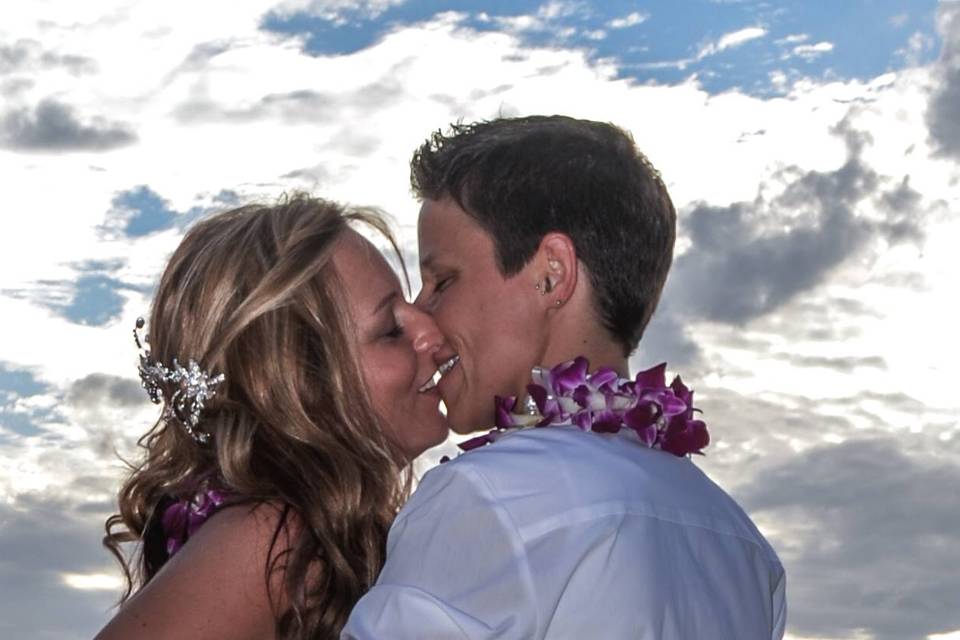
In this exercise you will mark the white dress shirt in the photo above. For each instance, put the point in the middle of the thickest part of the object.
(559, 533)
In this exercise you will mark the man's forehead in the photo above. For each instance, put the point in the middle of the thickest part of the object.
(437, 233)
(446, 234)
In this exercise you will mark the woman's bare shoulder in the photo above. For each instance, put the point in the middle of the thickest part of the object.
(215, 586)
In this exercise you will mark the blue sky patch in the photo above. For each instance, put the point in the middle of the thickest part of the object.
(95, 298)
(141, 211)
(18, 422)
(751, 45)
(145, 212)
(16, 383)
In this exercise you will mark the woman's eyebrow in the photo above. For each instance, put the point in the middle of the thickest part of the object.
(427, 262)
(387, 299)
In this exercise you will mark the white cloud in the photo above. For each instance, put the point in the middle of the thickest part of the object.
(731, 40)
(544, 19)
(558, 9)
(810, 51)
(899, 19)
(93, 581)
(629, 20)
(218, 104)
(918, 45)
(793, 38)
(337, 11)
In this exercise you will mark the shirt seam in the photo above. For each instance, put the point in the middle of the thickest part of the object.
(527, 537)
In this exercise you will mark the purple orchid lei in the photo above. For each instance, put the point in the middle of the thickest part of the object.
(183, 518)
(662, 416)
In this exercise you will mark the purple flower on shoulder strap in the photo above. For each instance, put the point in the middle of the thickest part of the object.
(183, 518)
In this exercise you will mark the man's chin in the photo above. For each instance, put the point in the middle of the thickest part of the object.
(462, 420)
(466, 424)
(466, 430)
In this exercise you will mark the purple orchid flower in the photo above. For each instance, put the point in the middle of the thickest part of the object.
(478, 441)
(652, 378)
(566, 377)
(643, 419)
(547, 405)
(662, 416)
(505, 417)
(683, 434)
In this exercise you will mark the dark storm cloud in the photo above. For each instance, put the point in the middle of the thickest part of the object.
(315, 176)
(845, 364)
(293, 107)
(97, 389)
(42, 540)
(666, 339)
(14, 86)
(869, 536)
(199, 57)
(14, 57)
(748, 259)
(302, 106)
(943, 111)
(902, 204)
(29, 55)
(742, 265)
(53, 126)
(867, 529)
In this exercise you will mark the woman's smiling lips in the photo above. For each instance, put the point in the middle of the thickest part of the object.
(442, 370)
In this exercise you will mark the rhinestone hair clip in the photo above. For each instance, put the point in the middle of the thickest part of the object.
(193, 387)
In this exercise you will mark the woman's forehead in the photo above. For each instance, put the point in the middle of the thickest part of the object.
(366, 276)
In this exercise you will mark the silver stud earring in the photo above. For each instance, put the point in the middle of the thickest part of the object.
(559, 302)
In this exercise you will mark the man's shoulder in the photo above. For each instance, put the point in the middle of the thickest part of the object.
(559, 474)
(561, 458)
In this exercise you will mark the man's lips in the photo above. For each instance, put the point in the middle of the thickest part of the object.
(442, 370)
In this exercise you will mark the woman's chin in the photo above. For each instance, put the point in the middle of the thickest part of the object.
(415, 444)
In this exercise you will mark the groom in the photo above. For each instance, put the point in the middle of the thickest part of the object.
(544, 240)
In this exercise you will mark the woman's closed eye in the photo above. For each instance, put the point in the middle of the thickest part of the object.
(395, 331)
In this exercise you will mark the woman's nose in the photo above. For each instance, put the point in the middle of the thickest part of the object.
(426, 334)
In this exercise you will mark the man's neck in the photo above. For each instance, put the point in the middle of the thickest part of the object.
(577, 330)
(595, 346)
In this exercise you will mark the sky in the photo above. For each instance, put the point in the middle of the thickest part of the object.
(812, 151)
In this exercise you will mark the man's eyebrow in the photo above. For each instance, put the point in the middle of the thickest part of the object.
(387, 299)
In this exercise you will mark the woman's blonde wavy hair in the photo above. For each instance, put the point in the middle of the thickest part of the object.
(252, 293)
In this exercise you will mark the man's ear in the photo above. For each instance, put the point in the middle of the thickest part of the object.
(555, 267)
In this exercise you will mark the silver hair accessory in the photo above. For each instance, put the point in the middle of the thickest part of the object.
(193, 387)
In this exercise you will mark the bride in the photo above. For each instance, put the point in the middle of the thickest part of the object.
(296, 384)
